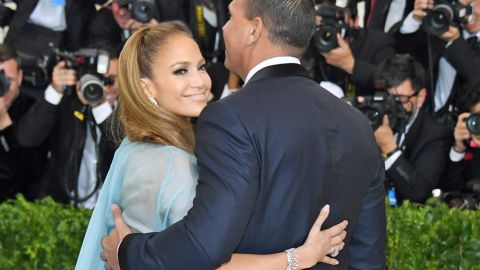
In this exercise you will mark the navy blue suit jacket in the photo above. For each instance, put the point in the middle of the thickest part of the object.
(270, 157)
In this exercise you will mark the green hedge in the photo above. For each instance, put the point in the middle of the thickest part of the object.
(40, 235)
(47, 235)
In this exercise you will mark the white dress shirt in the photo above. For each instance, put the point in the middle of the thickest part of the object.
(50, 14)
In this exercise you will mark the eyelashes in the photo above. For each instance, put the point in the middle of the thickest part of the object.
(183, 71)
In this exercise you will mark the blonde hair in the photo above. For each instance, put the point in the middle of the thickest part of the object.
(137, 118)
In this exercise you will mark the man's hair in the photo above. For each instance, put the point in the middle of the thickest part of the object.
(289, 22)
(470, 98)
(7, 53)
(395, 70)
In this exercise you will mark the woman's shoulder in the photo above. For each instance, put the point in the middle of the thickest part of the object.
(149, 153)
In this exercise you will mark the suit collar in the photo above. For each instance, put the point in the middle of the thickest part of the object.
(281, 70)
(270, 62)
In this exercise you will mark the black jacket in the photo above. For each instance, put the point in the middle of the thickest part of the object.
(77, 15)
(270, 156)
(370, 48)
(20, 167)
(459, 173)
(66, 135)
(464, 58)
(418, 169)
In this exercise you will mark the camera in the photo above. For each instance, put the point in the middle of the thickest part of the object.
(444, 14)
(141, 10)
(4, 83)
(332, 23)
(473, 123)
(377, 106)
(90, 65)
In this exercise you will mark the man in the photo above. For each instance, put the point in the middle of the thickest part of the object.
(113, 24)
(20, 167)
(415, 157)
(38, 25)
(455, 57)
(269, 157)
(349, 68)
(464, 161)
(81, 151)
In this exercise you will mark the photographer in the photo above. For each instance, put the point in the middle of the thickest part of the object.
(346, 58)
(414, 158)
(20, 167)
(454, 61)
(113, 24)
(75, 124)
(463, 171)
(39, 24)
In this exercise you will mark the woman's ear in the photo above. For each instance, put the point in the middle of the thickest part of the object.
(147, 87)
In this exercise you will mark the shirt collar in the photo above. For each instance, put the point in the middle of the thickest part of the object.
(467, 34)
(271, 62)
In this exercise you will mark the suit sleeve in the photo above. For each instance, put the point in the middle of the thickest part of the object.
(226, 195)
(465, 61)
(367, 245)
(414, 179)
(35, 126)
(378, 46)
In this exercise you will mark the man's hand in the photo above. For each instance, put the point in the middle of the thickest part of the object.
(452, 34)
(121, 14)
(341, 57)
(111, 242)
(461, 133)
(5, 120)
(419, 9)
(384, 136)
(134, 25)
(62, 76)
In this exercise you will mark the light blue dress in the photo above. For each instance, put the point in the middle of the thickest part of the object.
(153, 184)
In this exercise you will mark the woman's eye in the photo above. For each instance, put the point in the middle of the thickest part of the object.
(203, 67)
(180, 71)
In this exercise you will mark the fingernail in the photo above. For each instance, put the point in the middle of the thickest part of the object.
(114, 207)
(326, 208)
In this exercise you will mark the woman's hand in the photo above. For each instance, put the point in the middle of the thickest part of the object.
(321, 243)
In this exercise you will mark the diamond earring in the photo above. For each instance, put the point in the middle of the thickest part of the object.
(154, 102)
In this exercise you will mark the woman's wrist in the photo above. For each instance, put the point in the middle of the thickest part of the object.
(304, 258)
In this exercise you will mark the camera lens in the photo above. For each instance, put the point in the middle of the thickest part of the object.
(439, 20)
(374, 116)
(4, 83)
(91, 88)
(143, 10)
(325, 38)
(473, 123)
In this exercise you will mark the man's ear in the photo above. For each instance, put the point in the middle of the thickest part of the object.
(256, 30)
(421, 97)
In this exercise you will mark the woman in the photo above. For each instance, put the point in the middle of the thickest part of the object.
(163, 83)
